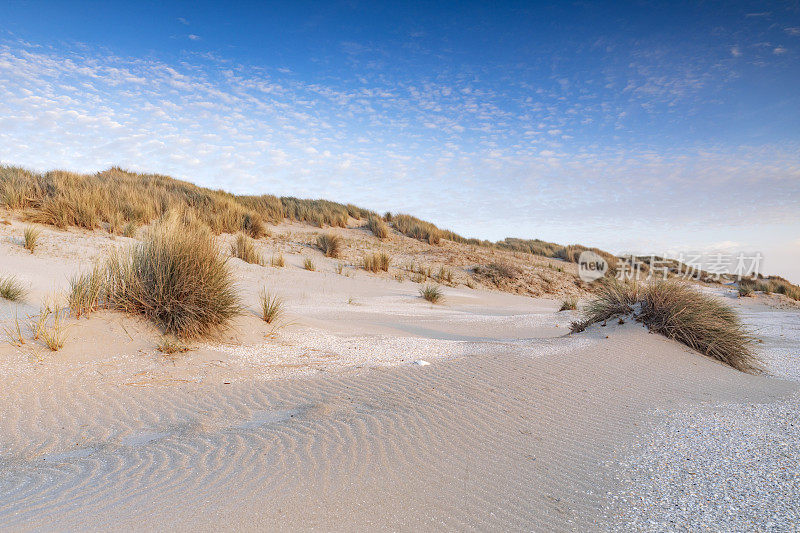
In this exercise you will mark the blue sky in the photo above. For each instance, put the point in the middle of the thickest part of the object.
(651, 127)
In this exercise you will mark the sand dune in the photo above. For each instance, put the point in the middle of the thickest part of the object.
(324, 423)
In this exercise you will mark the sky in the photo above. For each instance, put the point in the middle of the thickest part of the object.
(636, 127)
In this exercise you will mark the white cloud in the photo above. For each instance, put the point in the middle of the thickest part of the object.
(477, 158)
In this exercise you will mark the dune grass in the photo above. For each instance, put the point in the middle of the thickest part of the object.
(11, 289)
(86, 291)
(680, 312)
(14, 332)
(55, 335)
(769, 285)
(31, 238)
(244, 248)
(278, 261)
(378, 227)
(432, 293)
(309, 265)
(271, 306)
(175, 277)
(124, 201)
(377, 262)
(417, 229)
(330, 244)
(569, 304)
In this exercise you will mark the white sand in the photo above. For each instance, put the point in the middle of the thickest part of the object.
(325, 422)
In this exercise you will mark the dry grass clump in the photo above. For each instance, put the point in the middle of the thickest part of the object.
(772, 284)
(378, 227)
(497, 273)
(11, 289)
(417, 229)
(330, 244)
(569, 304)
(745, 292)
(278, 261)
(271, 306)
(432, 293)
(445, 275)
(679, 312)
(309, 265)
(245, 249)
(116, 198)
(55, 335)
(377, 262)
(86, 291)
(31, 238)
(176, 278)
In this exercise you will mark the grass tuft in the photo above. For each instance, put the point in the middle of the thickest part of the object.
(330, 244)
(245, 249)
(278, 261)
(378, 227)
(569, 304)
(31, 238)
(271, 306)
(86, 291)
(377, 262)
(678, 311)
(55, 335)
(11, 289)
(432, 293)
(309, 265)
(177, 278)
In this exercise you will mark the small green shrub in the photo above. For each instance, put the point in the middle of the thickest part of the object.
(432, 293)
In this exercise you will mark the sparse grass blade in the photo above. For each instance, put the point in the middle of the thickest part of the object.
(271, 306)
(432, 293)
(11, 289)
(569, 304)
(55, 335)
(278, 261)
(309, 265)
(31, 238)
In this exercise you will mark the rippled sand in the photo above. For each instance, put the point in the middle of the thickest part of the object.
(485, 442)
(325, 423)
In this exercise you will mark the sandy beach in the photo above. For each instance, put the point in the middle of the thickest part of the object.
(326, 422)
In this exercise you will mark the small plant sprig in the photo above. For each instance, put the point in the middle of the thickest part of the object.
(271, 306)
(31, 237)
(432, 293)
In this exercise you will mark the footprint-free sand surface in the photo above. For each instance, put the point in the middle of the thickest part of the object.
(326, 422)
